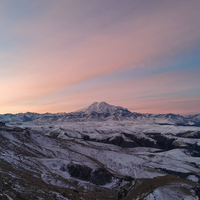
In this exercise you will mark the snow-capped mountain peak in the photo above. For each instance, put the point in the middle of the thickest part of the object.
(102, 112)
(101, 107)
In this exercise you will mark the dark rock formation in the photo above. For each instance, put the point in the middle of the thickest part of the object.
(79, 171)
(2, 124)
(163, 141)
(100, 176)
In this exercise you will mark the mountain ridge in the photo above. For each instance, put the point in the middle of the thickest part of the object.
(103, 112)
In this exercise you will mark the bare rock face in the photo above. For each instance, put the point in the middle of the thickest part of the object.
(2, 124)
(100, 176)
(79, 171)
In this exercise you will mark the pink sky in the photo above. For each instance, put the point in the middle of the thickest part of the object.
(60, 56)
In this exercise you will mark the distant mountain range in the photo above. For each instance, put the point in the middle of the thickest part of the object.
(103, 112)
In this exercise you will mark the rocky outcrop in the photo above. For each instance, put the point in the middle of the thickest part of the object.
(99, 176)
(163, 141)
(2, 124)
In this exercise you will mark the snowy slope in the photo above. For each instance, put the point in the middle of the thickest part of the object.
(102, 107)
(85, 156)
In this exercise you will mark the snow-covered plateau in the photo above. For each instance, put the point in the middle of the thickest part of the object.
(100, 152)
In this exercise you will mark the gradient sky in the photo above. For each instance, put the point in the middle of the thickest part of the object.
(63, 55)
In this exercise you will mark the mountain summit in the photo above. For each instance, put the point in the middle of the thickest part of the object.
(101, 107)
(101, 112)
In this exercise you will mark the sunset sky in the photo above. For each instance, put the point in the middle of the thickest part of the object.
(63, 55)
